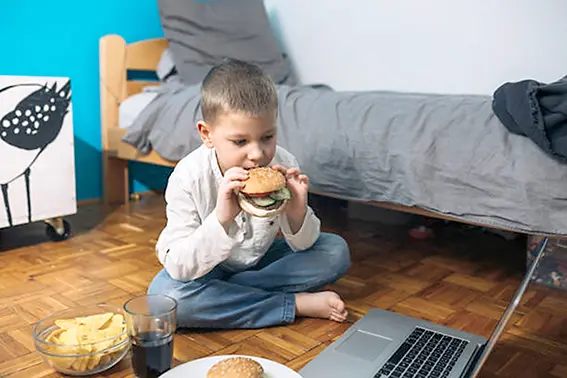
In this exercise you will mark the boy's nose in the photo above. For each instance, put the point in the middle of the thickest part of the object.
(255, 154)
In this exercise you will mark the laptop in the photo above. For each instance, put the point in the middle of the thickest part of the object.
(386, 344)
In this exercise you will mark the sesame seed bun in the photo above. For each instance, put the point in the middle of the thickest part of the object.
(236, 367)
(263, 180)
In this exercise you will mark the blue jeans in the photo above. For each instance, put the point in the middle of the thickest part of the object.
(261, 296)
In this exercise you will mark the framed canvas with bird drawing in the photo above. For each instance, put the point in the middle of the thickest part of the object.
(37, 173)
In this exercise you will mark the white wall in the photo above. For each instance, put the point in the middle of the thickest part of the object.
(439, 46)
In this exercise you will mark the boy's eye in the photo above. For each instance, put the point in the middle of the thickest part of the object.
(239, 142)
(268, 137)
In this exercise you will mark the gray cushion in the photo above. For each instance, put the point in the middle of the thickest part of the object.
(165, 65)
(201, 33)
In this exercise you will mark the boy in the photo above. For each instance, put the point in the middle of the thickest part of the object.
(226, 268)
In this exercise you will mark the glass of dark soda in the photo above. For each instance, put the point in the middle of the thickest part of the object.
(151, 322)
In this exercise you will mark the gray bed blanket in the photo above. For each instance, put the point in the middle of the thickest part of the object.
(445, 153)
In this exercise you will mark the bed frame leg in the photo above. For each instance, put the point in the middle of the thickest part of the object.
(115, 181)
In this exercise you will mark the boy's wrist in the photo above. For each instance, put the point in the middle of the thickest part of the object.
(296, 217)
(224, 222)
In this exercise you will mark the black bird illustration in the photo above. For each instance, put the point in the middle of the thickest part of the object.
(29, 128)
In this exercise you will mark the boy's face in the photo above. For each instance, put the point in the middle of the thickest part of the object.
(241, 140)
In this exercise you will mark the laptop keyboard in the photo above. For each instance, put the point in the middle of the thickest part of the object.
(424, 353)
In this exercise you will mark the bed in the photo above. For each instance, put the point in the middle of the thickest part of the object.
(441, 156)
(418, 158)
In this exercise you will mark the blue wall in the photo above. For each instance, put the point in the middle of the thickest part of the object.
(60, 38)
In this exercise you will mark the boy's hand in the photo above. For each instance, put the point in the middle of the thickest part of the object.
(298, 185)
(227, 205)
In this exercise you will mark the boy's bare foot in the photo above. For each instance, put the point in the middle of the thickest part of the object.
(325, 304)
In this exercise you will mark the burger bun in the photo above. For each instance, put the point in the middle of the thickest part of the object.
(236, 367)
(263, 180)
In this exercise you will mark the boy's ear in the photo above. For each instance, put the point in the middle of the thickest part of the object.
(205, 132)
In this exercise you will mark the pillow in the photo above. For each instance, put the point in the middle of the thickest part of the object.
(166, 68)
(201, 33)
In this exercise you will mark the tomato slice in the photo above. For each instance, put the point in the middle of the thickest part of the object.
(256, 195)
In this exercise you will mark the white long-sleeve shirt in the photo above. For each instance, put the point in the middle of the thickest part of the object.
(193, 241)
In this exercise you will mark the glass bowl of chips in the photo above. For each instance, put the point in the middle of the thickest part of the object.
(82, 340)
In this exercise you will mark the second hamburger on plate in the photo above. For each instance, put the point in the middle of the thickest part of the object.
(236, 367)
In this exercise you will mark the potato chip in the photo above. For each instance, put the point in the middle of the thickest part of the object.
(66, 323)
(87, 342)
(69, 337)
(96, 321)
(54, 336)
(116, 321)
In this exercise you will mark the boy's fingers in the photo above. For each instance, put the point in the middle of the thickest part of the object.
(236, 171)
(292, 172)
(303, 178)
(280, 168)
(233, 185)
(236, 175)
(230, 180)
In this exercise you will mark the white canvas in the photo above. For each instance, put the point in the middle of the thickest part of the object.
(36, 132)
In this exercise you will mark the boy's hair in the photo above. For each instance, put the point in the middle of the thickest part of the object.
(237, 86)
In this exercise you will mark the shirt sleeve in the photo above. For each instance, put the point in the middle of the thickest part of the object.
(189, 247)
(307, 234)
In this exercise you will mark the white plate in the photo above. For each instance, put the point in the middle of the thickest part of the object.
(199, 368)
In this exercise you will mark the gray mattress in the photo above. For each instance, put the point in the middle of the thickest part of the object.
(445, 153)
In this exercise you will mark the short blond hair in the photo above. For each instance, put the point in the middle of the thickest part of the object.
(237, 86)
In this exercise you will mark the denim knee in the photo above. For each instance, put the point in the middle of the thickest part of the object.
(337, 251)
(163, 284)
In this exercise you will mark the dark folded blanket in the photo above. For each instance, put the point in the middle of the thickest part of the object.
(537, 111)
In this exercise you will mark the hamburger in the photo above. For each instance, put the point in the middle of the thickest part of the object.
(236, 367)
(265, 193)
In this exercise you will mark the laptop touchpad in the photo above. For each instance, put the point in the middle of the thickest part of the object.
(364, 345)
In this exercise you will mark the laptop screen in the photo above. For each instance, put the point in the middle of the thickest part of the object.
(509, 311)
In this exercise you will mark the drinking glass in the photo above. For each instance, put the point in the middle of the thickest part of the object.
(151, 323)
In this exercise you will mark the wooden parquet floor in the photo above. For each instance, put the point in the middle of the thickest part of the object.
(463, 279)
